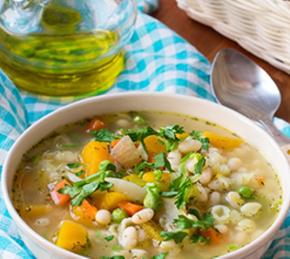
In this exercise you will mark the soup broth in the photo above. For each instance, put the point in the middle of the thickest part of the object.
(146, 185)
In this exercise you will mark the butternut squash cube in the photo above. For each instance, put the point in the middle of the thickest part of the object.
(72, 236)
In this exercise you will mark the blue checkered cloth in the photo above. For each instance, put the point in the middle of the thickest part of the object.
(157, 60)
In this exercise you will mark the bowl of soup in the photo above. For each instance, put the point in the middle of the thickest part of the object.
(144, 175)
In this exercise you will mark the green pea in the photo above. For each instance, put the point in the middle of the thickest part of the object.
(118, 215)
(246, 192)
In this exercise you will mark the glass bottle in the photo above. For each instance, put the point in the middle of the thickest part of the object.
(64, 47)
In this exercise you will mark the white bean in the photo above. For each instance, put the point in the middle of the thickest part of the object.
(139, 253)
(170, 247)
(221, 214)
(203, 193)
(189, 145)
(221, 228)
(129, 238)
(234, 163)
(103, 217)
(206, 176)
(235, 217)
(174, 159)
(246, 225)
(250, 209)
(214, 198)
(143, 216)
(234, 199)
(214, 158)
(141, 234)
(123, 123)
(224, 170)
(66, 156)
(240, 237)
(220, 184)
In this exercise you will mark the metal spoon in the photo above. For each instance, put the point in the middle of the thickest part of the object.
(242, 85)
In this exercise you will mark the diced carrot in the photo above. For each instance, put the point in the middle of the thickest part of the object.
(129, 207)
(93, 154)
(114, 142)
(221, 141)
(85, 213)
(95, 124)
(154, 145)
(59, 198)
(214, 236)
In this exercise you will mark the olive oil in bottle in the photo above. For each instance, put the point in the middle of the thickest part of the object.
(60, 59)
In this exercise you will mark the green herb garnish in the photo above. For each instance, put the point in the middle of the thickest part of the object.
(160, 256)
(82, 189)
(160, 162)
(109, 238)
(197, 135)
(197, 238)
(182, 222)
(139, 134)
(73, 165)
(104, 135)
(177, 236)
(80, 173)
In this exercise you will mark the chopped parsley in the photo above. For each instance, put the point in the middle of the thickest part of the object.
(82, 189)
(197, 135)
(182, 222)
(160, 256)
(109, 238)
(197, 238)
(177, 236)
(73, 165)
(160, 162)
(139, 134)
(104, 135)
(79, 173)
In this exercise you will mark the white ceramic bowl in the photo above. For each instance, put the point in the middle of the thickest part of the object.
(227, 118)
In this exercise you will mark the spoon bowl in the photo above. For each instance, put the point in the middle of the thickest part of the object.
(239, 83)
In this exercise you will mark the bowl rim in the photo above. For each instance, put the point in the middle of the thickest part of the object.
(262, 240)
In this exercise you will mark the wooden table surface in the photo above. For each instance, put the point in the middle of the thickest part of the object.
(209, 42)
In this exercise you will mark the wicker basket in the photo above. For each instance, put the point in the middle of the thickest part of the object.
(260, 26)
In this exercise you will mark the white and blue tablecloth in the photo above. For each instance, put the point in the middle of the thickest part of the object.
(157, 60)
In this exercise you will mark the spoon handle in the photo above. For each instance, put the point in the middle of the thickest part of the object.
(282, 140)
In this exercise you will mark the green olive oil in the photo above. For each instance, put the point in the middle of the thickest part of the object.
(59, 60)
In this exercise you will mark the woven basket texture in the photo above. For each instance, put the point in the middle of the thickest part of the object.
(260, 26)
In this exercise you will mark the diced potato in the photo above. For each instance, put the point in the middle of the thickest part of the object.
(109, 200)
(93, 154)
(133, 178)
(72, 236)
(152, 230)
(154, 145)
(220, 141)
